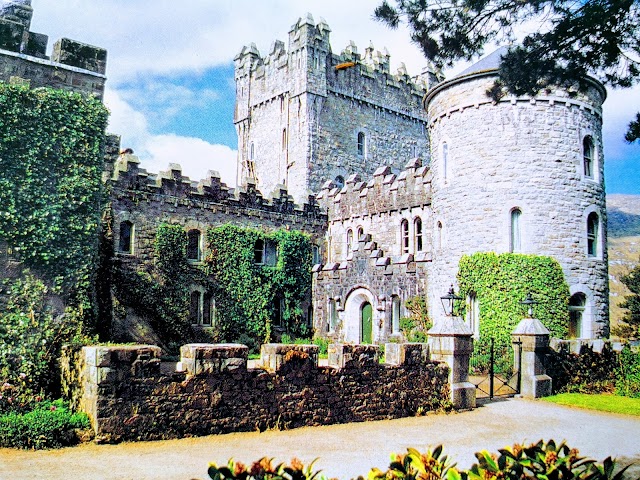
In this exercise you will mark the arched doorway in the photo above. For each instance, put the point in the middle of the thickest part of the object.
(366, 323)
(359, 312)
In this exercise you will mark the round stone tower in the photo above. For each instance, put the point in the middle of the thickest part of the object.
(524, 175)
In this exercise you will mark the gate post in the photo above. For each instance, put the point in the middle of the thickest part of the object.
(534, 339)
(451, 341)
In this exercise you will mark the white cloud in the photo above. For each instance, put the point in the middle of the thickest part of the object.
(156, 152)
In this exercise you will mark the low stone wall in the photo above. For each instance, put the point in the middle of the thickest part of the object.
(128, 398)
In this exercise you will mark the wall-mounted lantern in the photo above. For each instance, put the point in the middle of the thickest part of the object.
(448, 302)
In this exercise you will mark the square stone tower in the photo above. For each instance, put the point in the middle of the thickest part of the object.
(305, 115)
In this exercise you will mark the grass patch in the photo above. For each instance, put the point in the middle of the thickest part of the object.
(601, 402)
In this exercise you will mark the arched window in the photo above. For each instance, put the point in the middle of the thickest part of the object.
(362, 144)
(209, 307)
(577, 304)
(195, 307)
(339, 181)
(395, 314)
(593, 224)
(315, 252)
(125, 244)
(333, 315)
(445, 161)
(515, 237)
(349, 241)
(252, 151)
(360, 233)
(284, 139)
(439, 237)
(417, 231)
(404, 236)
(588, 157)
(194, 248)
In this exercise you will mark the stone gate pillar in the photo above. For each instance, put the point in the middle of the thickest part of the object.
(451, 341)
(529, 357)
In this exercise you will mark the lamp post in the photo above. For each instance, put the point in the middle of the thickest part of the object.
(529, 302)
(448, 302)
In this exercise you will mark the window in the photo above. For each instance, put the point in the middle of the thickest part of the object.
(258, 252)
(195, 308)
(417, 231)
(593, 224)
(194, 250)
(395, 314)
(284, 139)
(333, 315)
(404, 236)
(445, 161)
(315, 252)
(439, 235)
(360, 233)
(209, 314)
(588, 157)
(125, 245)
(514, 237)
(339, 181)
(577, 304)
(473, 314)
(278, 310)
(349, 241)
(362, 144)
(252, 151)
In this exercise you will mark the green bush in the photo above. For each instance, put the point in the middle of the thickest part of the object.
(627, 373)
(583, 372)
(48, 425)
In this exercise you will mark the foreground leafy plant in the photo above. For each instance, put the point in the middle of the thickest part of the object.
(264, 469)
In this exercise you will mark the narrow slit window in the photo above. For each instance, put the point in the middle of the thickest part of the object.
(125, 244)
(592, 234)
(588, 156)
(362, 144)
(417, 228)
(404, 236)
(194, 241)
(515, 243)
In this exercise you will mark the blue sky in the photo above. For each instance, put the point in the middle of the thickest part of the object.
(170, 84)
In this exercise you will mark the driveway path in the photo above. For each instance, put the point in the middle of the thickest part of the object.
(345, 451)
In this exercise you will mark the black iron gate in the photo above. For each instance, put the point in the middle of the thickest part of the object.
(496, 372)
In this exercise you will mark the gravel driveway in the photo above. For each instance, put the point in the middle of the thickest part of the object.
(344, 451)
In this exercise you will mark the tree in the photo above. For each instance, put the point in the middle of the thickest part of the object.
(630, 327)
(600, 38)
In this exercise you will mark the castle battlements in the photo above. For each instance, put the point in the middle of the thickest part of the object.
(384, 193)
(73, 65)
(171, 187)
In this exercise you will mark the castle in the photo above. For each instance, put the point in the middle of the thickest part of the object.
(395, 178)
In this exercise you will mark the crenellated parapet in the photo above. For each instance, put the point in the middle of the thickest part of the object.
(171, 187)
(385, 192)
(72, 66)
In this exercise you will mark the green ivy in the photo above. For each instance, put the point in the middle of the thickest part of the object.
(50, 181)
(246, 291)
(501, 282)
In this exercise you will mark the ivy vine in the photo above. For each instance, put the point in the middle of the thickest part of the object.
(246, 291)
(501, 282)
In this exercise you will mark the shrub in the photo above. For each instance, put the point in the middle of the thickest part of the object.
(48, 425)
(583, 372)
(627, 373)
(540, 461)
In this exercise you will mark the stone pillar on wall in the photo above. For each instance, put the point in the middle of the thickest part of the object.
(451, 341)
(208, 359)
(533, 338)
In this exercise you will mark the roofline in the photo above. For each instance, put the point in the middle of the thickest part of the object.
(489, 73)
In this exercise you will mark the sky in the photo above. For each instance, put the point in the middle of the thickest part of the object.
(170, 87)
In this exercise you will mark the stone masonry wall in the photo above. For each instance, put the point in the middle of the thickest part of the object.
(128, 398)
(523, 153)
(72, 66)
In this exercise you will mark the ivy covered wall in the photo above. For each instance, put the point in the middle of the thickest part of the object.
(258, 298)
(501, 282)
(51, 200)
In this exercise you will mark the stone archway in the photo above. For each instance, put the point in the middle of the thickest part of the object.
(353, 308)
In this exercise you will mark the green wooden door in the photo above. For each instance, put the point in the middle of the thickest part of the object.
(366, 313)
